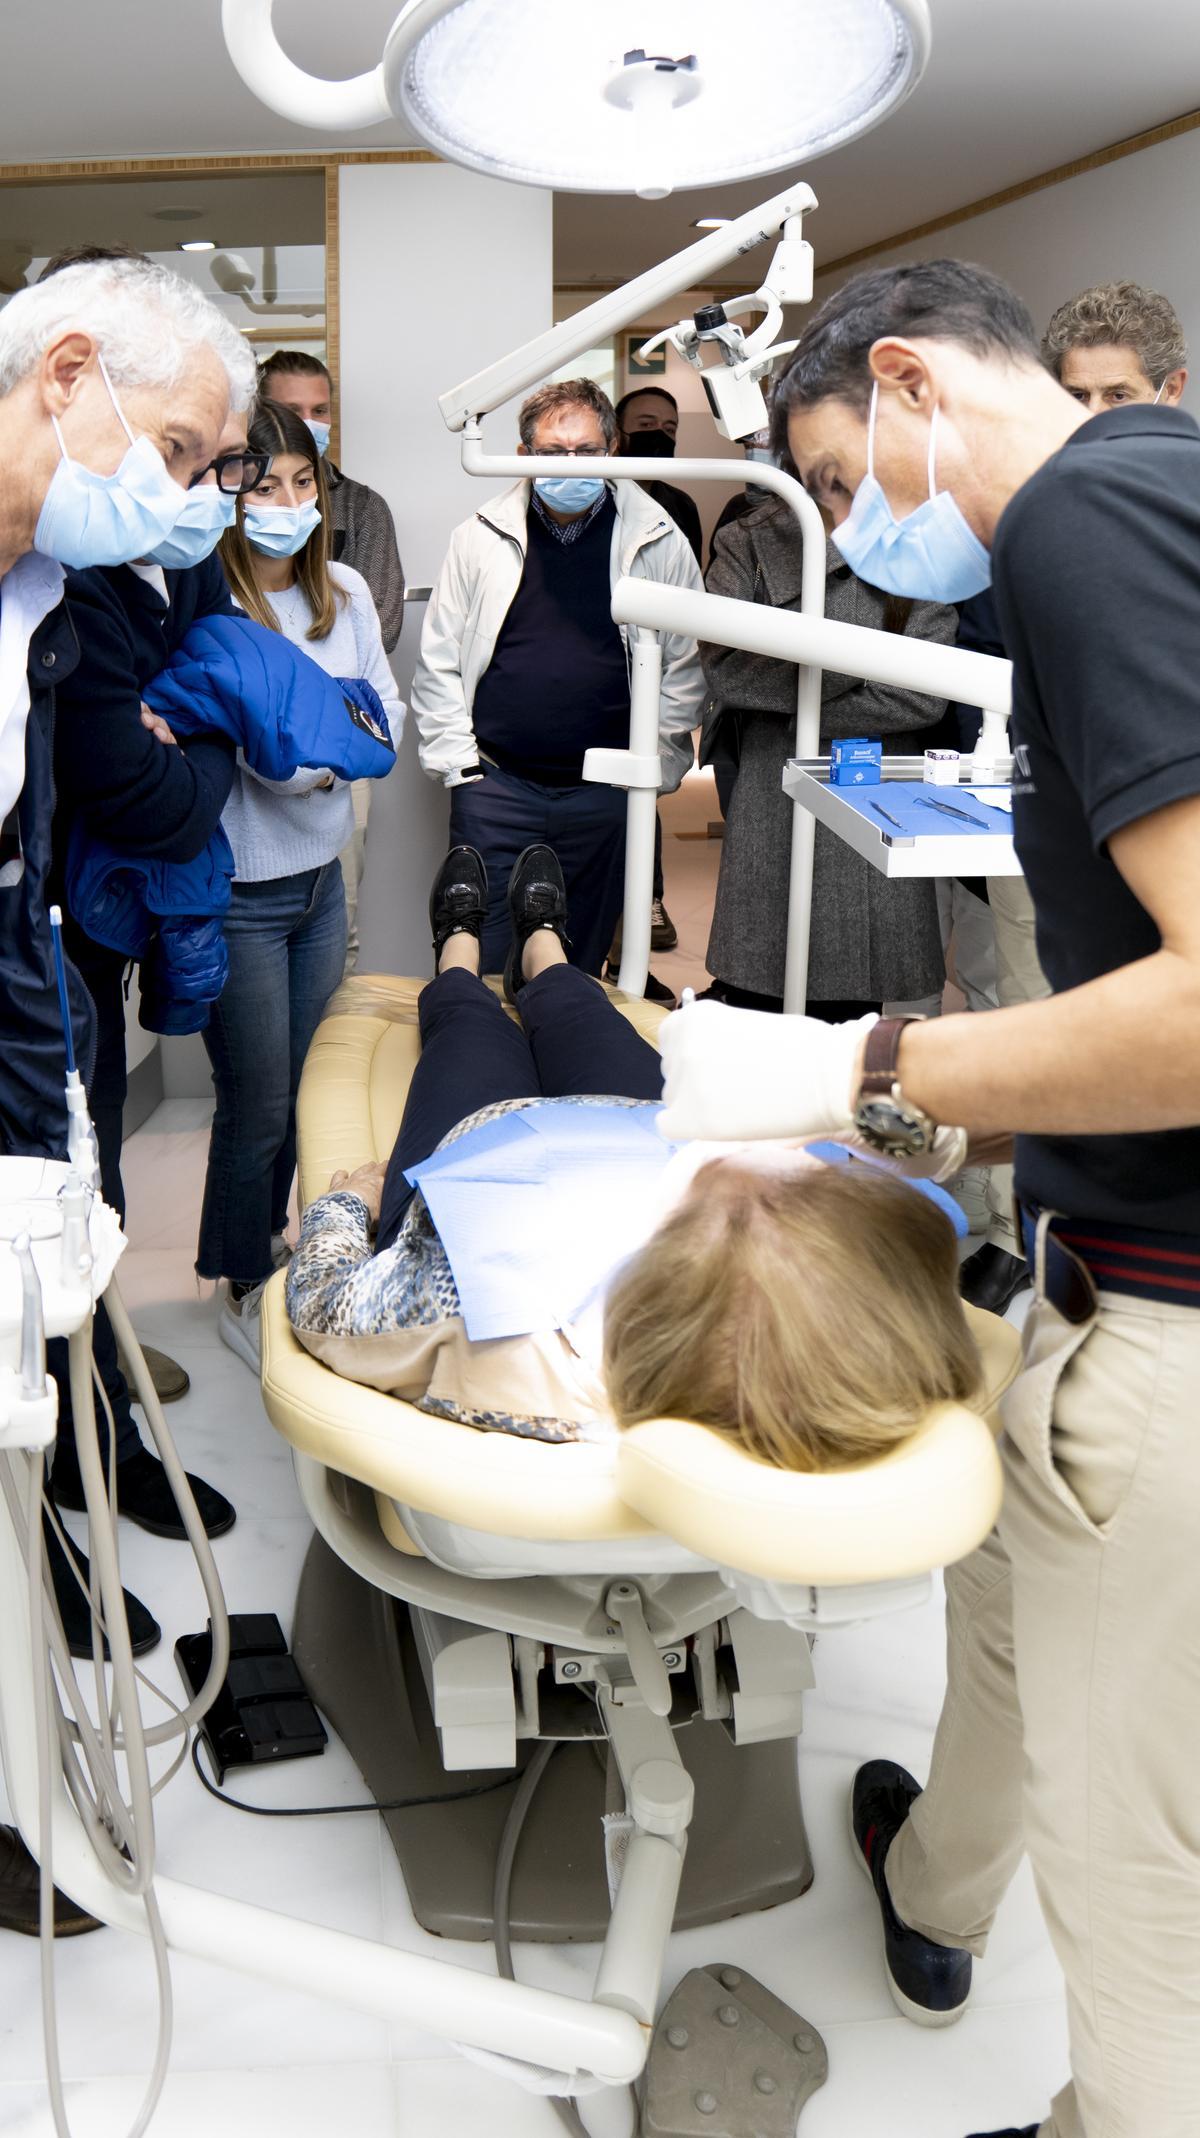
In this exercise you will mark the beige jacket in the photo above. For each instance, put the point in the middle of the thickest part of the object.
(474, 592)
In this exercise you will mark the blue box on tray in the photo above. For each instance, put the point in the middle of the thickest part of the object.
(855, 763)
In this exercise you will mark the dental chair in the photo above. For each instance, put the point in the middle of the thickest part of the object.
(650, 1605)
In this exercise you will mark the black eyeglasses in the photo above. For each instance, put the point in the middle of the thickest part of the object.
(235, 472)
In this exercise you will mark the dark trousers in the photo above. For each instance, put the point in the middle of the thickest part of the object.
(570, 1042)
(502, 815)
(102, 970)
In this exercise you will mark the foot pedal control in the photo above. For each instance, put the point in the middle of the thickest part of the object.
(729, 2060)
(262, 1712)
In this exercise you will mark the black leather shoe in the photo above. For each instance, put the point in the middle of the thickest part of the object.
(929, 1983)
(537, 898)
(991, 1278)
(144, 1630)
(458, 900)
(144, 1494)
(1027, 2130)
(19, 1895)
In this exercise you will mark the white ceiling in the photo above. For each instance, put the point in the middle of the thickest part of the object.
(1013, 88)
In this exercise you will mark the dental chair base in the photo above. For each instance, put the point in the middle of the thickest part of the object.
(369, 1662)
(729, 2057)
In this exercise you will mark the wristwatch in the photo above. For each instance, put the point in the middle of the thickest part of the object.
(882, 1114)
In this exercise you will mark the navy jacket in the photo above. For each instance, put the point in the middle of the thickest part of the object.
(32, 1055)
(115, 782)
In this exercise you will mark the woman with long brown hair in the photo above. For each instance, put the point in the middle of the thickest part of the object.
(286, 927)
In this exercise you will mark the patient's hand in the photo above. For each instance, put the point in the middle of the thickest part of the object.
(367, 1183)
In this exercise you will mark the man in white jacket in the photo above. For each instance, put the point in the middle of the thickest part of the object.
(522, 668)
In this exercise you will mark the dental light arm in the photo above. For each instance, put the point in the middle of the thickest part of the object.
(731, 384)
(692, 268)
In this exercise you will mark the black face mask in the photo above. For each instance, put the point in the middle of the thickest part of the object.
(650, 445)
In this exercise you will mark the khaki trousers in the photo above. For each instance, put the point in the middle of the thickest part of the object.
(1072, 1718)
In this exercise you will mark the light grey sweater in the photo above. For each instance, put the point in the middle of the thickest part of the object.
(285, 827)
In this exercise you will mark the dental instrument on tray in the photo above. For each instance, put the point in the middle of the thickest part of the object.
(880, 811)
(947, 809)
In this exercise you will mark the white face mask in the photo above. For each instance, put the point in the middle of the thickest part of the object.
(91, 519)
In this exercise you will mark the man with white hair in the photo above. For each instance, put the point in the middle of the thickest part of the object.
(116, 380)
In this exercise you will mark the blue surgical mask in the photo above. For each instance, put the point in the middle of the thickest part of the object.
(280, 530)
(91, 519)
(930, 555)
(207, 513)
(569, 493)
(320, 433)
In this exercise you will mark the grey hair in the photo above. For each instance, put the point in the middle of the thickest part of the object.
(568, 393)
(146, 321)
(1125, 316)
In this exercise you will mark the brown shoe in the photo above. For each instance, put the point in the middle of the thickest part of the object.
(19, 1894)
(171, 1381)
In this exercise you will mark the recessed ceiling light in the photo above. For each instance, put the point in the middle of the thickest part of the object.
(198, 245)
(712, 222)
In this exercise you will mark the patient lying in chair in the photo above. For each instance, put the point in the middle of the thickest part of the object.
(810, 1311)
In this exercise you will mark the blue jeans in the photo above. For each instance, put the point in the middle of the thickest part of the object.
(287, 949)
(502, 815)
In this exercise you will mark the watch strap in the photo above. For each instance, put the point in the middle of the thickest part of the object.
(880, 1072)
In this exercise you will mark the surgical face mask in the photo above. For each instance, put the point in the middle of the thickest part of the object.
(320, 433)
(762, 454)
(280, 530)
(650, 445)
(91, 519)
(207, 512)
(569, 493)
(930, 555)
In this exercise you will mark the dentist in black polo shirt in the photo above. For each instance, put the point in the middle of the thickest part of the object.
(917, 411)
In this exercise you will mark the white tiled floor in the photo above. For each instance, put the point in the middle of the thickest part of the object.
(248, 2058)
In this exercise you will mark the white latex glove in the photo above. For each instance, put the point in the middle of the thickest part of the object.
(736, 1075)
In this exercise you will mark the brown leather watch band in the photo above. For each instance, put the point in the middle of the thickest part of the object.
(880, 1056)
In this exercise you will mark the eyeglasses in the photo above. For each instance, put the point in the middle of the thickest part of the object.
(235, 472)
(571, 452)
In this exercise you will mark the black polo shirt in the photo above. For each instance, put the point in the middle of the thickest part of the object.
(1096, 571)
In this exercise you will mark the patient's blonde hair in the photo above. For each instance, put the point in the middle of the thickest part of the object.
(812, 1315)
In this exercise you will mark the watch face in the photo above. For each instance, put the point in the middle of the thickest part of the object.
(892, 1127)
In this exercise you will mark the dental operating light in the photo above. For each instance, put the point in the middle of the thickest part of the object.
(612, 96)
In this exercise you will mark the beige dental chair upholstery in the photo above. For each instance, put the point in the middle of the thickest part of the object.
(515, 1550)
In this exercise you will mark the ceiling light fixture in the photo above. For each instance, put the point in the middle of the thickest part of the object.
(643, 97)
(198, 245)
(711, 222)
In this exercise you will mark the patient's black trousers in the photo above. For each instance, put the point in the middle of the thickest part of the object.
(570, 1041)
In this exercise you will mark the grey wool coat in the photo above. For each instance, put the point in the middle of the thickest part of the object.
(871, 940)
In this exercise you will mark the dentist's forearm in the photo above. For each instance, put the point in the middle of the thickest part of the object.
(1117, 1056)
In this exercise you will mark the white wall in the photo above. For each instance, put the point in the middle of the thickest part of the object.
(441, 272)
(1129, 221)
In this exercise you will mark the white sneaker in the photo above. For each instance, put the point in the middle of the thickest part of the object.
(239, 1325)
(970, 1192)
(281, 1250)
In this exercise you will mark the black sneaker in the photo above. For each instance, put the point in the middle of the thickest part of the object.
(144, 1630)
(458, 900)
(144, 1494)
(991, 1278)
(929, 1983)
(1027, 2130)
(537, 898)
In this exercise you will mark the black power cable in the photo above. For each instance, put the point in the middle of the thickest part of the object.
(333, 1811)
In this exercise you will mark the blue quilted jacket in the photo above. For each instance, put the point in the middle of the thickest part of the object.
(285, 714)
